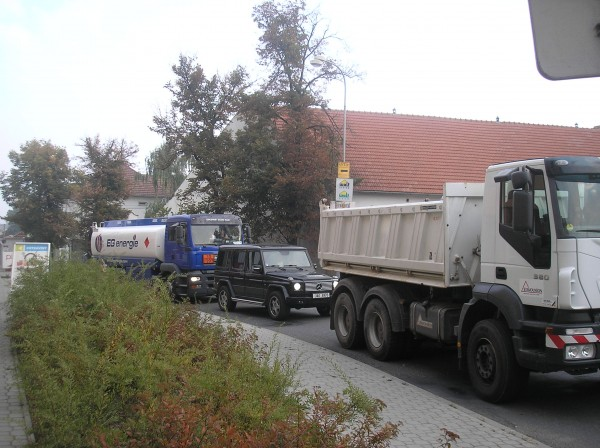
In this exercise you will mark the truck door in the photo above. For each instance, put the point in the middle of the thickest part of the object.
(524, 257)
(177, 246)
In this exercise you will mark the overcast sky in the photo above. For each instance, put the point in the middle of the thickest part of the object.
(73, 69)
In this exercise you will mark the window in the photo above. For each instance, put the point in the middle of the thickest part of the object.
(255, 258)
(506, 201)
(239, 260)
(172, 233)
(532, 245)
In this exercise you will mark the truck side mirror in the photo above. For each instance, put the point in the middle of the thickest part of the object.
(521, 179)
(247, 233)
(523, 211)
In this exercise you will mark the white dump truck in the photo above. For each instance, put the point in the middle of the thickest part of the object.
(508, 271)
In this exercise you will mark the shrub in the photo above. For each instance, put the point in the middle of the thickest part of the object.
(109, 361)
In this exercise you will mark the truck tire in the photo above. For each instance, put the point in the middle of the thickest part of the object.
(493, 369)
(224, 299)
(381, 341)
(277, 308)
(347, 328)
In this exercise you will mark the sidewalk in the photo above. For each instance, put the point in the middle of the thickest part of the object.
(14, 415)
(422, 414)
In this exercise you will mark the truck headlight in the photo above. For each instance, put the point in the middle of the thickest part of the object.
(195, 279)
(580, 351)
(297, 286)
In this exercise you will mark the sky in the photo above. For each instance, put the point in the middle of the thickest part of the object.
(71, 69)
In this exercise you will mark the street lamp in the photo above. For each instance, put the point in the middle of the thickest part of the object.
(319, 62)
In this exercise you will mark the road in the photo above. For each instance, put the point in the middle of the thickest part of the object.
(557, 409)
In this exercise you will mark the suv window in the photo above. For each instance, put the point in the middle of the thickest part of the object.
(239, 260)
(255, 259)
(224, 258)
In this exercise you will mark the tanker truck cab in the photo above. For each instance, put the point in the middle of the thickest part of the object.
(540, 271)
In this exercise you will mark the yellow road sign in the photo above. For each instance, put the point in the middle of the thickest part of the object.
(344, 170)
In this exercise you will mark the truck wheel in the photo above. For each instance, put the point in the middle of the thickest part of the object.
(324, 310)
(277, 308)
(224, 299)
(382, 343)
(493, 368)
(347, 328)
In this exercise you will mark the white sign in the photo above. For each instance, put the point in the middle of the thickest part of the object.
(27, 255)
(344, 189)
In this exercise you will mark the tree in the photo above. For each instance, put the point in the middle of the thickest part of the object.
(101, 187)
(288, 148)
(157, 209)
(37, 189)
(194, 129)
(167, 168)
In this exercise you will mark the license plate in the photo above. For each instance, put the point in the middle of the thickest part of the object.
(320, 295)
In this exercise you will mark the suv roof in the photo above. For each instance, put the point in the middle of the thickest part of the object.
(260, 246)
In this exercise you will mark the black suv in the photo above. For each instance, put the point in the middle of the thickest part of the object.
(278, 277)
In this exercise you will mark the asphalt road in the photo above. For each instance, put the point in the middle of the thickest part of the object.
(557, 409)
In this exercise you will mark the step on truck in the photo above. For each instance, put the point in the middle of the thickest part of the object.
(508, 271)
(182, 249)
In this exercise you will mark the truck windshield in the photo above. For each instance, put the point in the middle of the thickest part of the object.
(285, 257)
(578, 206)
(215, 235)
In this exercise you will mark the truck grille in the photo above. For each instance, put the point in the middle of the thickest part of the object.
(318, 286)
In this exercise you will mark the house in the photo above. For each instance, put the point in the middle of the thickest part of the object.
(396, 158)
(399, 158)
(141, 192)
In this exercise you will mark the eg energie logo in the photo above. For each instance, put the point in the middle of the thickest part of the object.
(125, 244)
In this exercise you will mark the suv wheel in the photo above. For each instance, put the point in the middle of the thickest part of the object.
(224, 299)
(276, 306)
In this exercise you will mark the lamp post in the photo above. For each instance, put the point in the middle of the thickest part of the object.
(318, 62)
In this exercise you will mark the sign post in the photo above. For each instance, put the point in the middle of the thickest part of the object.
(344, 186)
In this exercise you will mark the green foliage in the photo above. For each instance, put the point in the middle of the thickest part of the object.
(101, 187)
(37, 188)
(194, 128)
(157, 209)
(12, 228)
(287, 150)
(167, 168)
(107, 361)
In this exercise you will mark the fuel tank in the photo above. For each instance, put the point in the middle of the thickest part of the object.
(139, 242)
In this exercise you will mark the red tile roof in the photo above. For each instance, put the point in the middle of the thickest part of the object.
(143, 187)
(407, 153)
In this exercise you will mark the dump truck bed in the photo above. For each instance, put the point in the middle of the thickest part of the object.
(434, 243)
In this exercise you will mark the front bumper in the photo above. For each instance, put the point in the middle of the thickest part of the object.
(307, 300)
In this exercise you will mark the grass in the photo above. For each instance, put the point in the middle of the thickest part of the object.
(109, 361)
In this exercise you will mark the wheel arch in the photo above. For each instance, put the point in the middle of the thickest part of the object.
(224, 282)
(489, 301)
(169, 268)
